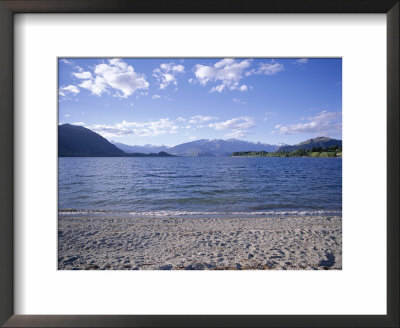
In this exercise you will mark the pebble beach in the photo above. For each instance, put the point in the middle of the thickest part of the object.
(261, 243)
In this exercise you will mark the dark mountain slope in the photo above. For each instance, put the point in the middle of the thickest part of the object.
(79, 141)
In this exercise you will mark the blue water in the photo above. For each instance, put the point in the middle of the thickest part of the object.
(185, 186)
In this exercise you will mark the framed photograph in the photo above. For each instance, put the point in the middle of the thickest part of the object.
(220, 164)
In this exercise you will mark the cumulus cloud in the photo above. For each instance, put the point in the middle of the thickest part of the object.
(270, 68)
(139, 129)
(167, 74)
(324, 123)
(79, 123)
(83, 75)
(115, 76)
(156, 97)
(238, 126)
(227, 73)
(70, 89)
(97, 86)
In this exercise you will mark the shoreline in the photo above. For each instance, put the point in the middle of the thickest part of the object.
(257, 243)
(262, 213)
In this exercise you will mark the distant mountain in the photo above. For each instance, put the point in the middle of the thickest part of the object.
(218, 147)
(323, 142)
(77, 141)
(147, 149)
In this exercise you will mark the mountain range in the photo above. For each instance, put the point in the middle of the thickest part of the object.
(220, 147)
(79, 141)
(202, 147)
(217, 147)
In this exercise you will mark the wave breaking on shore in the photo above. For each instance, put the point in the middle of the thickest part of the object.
(171, 213)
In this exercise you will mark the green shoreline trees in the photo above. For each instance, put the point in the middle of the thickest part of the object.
(332, 151)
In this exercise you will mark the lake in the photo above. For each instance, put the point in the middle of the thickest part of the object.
(200, 186)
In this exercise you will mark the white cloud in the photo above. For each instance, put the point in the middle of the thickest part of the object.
(178, 69)
(266, 69)
(156, 97)
(139, 129)
(181, 119)
(324, 123)
(79, 123)
(201, 119)
(97, 86)
(238, 101)
(70, 89)
(237, 134)
(226, 72)
(116, 76)
(66, 61)
(239, 126)
(301, 61)
(83, 75)
(167, 74)
(219, 88)
(67, 115)
(243, 122)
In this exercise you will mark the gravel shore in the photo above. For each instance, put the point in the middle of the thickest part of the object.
(289, 243)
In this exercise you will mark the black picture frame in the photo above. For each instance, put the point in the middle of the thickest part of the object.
(10, 7)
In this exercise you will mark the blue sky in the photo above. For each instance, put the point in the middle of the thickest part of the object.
(175, 100)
